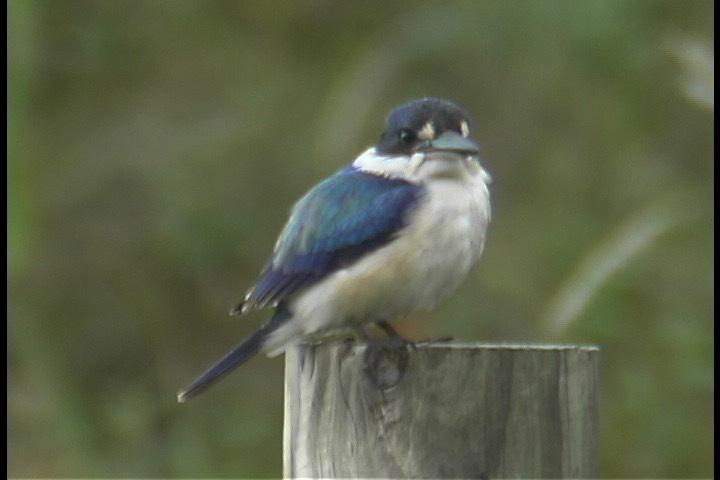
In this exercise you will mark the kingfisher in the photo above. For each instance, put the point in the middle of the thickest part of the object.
(392, 233)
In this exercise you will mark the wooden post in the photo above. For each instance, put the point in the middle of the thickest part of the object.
(441, 410)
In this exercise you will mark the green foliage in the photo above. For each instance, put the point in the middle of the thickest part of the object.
(156, 147)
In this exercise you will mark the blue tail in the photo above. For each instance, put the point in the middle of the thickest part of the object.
(236, 357)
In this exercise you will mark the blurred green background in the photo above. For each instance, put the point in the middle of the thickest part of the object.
(155, 148)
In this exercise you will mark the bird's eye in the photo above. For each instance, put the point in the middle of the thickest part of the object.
(407, 136)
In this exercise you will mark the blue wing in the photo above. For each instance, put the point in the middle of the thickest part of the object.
(344, 217)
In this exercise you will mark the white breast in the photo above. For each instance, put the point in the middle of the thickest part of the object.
(430, 258)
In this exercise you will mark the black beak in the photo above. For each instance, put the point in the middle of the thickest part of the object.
(451, 141)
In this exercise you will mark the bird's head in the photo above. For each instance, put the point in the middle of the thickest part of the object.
(427, 125)
(419, 133)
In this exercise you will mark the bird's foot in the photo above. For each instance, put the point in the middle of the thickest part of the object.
(429, 341)
(393, 335)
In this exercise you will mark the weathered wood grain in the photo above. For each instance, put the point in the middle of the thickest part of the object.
(441, 410)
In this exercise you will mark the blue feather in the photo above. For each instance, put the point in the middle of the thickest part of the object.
(237, 356)
(337, 222)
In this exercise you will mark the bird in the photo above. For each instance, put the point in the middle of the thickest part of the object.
(392, 233)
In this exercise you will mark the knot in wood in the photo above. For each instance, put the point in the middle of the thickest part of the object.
(385, 365)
